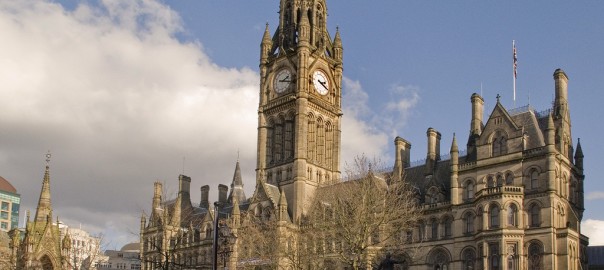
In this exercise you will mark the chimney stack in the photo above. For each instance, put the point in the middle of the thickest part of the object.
(433, 150)
(184, 187)
(205, 200)
(222, 193)
(403, 152)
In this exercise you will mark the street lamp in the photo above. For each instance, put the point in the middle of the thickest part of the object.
(222, 236)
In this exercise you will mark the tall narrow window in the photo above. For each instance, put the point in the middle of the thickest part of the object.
(269, 142)
(447, 227)
(512, 215)
(278, 150)
(320, 142)
(469, 190)
(535, 257)
(534, 179)
(422, 230)
(311, 138)
(289, 139)
(329, 145)
(494, 216)
(468, 259)
(434, 229)
(469, 222)
(535, 212)
(499, 180)
(494, 256)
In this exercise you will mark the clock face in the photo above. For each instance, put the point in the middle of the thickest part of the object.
(320, 82)
(282, 80)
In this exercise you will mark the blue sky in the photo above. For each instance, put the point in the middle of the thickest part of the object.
(121, 91)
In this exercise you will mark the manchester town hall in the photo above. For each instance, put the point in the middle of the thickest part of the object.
(512, 200)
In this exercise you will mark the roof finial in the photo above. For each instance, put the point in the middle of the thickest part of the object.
(48, 155)
(498, 96)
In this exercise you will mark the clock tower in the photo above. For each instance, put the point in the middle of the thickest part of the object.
(300, 112)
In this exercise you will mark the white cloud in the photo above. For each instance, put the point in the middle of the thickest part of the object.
(369, 132)
(120, 101)
(594, 229)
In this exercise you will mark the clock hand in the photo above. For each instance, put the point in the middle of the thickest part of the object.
(323, 84)
(286, 79)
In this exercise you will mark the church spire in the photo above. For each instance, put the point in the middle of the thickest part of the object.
(237, 186)
(44, 209)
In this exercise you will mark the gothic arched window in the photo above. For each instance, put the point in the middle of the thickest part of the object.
(494, 261)
(535, 257)
(535, 215)
(534, 179)
(329, 144)
(509, 179)
(320, 141)
(512, 212)
(490, 181)
(447, 227)
(499, 180)
(311, 138)
(494, 216)
(469, 222)
(469, 190)
(422, 230)
(468, 257)
(434, 228)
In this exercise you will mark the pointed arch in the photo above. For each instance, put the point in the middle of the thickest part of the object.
(311, 137)
(439, 258)
(320, 141)
(468, 258)
(329, 146)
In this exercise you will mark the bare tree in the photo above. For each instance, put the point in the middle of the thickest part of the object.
(351, 223)
(368, 214)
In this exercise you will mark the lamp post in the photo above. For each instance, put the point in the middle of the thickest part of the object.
(223, 239)
(215, 242)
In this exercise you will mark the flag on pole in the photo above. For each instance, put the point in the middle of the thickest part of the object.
(515, 67)
(515, 59)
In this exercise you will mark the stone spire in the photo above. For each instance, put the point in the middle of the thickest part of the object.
(579, 155)
(337, 45)
(282, 205)
(237, 186)
(44, 209)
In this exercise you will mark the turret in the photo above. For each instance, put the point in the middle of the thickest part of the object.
(476, 125)
(265, 46)
(433, 150)
(562, 114)
(551, 155)
(579, 156)
(454, 171)
(304, 29)
(282, 215)
(338, 51)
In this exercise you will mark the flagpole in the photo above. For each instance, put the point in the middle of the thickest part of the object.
(514, 69)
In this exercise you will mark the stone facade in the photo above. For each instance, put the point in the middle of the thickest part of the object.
(512, 200)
